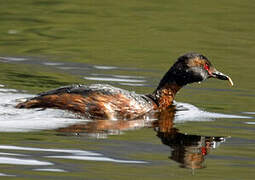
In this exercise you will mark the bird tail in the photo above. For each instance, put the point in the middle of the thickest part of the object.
(29, 103)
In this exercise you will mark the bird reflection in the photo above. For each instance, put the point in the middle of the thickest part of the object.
(188, 150)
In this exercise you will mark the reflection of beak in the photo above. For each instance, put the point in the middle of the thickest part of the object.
(219, 75)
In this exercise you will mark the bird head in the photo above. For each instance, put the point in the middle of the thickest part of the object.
(193, 67)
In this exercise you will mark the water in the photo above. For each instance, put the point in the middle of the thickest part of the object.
(47, 44)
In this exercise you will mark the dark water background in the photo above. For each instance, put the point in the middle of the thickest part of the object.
(130, 44)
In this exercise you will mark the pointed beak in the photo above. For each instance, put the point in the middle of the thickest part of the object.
(219, 75)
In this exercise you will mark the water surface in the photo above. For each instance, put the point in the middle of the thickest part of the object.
(47, 44)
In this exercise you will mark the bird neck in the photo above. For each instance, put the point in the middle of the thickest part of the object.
(164, 95)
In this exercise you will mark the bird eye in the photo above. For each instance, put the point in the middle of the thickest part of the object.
(206, 67)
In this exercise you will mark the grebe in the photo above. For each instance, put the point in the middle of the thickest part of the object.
(100, 101)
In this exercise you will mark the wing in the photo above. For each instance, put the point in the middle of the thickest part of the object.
(97, 101)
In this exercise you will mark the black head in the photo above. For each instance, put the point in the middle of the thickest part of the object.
(192, 67)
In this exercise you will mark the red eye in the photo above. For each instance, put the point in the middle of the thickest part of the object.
(206, 67)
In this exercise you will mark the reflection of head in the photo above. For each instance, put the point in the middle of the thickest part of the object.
(189, 150)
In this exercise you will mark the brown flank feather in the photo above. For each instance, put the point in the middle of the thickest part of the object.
(95, 106)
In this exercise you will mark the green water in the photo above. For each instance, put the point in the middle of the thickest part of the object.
(141, 38)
